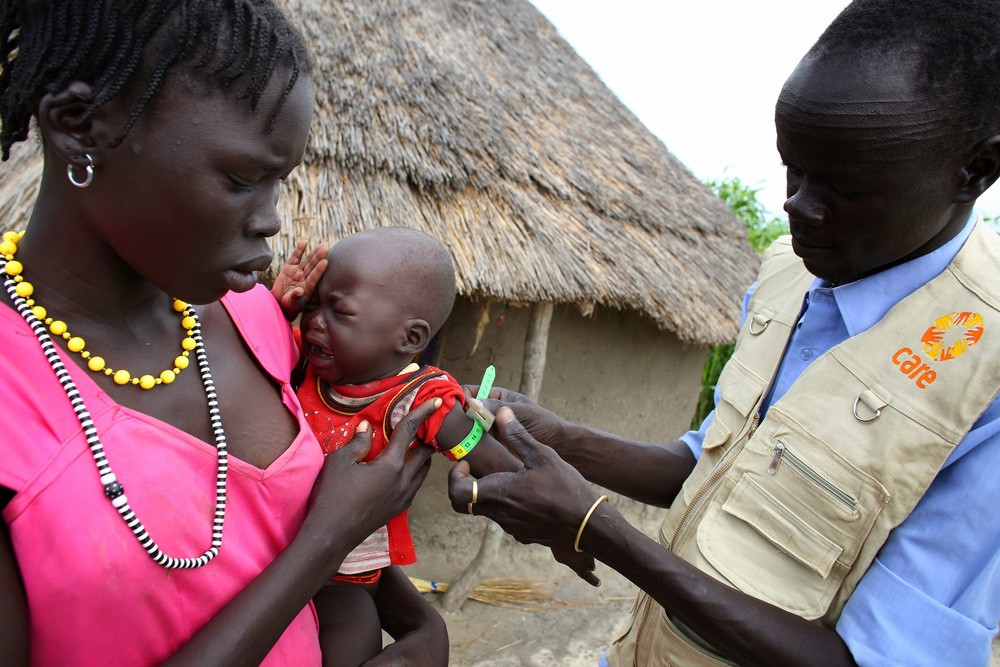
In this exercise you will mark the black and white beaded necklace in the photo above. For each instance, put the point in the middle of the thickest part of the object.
(112, 487)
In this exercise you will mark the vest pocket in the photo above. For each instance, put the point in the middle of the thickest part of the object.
(741, 387)
(740, 392)
(780, 526)
(789, 521)
(671, 646)
(654, 639)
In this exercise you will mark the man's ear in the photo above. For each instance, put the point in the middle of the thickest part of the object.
(981, 170)
(417, 336)
(61, 117)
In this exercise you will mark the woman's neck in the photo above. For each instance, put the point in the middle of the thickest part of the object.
(76, 274)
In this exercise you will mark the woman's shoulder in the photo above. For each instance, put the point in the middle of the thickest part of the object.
(19, 347)
(254, 303)
(263, 327)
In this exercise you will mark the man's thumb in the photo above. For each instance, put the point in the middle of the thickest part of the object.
(516, 438)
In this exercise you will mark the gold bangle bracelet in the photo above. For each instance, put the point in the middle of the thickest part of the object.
(579, 533)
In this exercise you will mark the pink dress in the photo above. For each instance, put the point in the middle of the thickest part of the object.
(94, 596)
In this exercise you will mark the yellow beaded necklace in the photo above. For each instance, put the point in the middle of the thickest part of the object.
(24, 289)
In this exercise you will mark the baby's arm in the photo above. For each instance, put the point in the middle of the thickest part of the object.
(488, 456)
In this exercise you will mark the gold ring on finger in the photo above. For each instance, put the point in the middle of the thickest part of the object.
(475, 494)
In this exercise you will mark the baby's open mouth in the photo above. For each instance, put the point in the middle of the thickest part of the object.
(319, 353)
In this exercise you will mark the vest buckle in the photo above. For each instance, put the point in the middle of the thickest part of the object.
(872, 403)
(758, 324)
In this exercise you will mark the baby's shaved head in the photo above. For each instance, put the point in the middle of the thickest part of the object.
(416, 267)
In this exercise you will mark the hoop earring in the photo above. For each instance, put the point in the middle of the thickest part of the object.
(71, 172)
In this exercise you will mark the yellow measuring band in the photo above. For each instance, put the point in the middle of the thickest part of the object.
(462, 449)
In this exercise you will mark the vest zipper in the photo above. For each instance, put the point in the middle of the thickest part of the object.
(781, 452)
(642, 626)
(713, 479)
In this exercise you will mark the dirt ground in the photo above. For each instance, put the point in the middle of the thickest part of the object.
(570, 630)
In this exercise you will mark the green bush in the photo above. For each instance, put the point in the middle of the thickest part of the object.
(762, 229)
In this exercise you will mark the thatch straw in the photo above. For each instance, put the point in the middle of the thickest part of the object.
(504, 592)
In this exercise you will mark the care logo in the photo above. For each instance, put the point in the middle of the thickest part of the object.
(952, 335)
(949, 337)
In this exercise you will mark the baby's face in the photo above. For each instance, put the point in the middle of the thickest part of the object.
(352, 327)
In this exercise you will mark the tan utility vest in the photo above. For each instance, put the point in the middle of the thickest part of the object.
(793, 511)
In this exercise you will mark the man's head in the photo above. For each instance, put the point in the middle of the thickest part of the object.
(386, 292)
(885, 134)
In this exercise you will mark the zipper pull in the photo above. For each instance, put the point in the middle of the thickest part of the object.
(779, 449)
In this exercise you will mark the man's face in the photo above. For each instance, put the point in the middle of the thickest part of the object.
(872, 171)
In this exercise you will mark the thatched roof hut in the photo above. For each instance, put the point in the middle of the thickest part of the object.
(476, 122)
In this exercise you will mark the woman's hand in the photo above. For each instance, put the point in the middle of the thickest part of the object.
(543, 503)
(297, 279)
(367, 495)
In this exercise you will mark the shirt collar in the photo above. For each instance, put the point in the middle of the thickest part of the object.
(864, 302)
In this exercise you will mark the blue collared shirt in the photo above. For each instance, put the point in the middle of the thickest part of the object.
(932, 595)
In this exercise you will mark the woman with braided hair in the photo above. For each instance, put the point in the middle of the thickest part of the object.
(164, 500)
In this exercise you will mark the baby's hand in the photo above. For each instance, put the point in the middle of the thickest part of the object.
(296, 281)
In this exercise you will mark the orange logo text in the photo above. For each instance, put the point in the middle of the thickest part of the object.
(913, 366)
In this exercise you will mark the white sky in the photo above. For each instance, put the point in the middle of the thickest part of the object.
(703, 76)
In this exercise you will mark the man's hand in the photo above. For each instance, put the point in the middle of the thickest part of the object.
(544, 425)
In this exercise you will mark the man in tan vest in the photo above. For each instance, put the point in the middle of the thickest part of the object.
(837, 507)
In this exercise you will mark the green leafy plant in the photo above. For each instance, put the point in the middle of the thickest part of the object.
(762, 229)
(993, 222)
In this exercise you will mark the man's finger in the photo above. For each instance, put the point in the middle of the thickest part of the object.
(492, 404)
(516, 437)
(460, 487)
(460, 471)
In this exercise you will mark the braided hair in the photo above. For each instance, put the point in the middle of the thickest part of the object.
(115, 44)
(952, 43)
